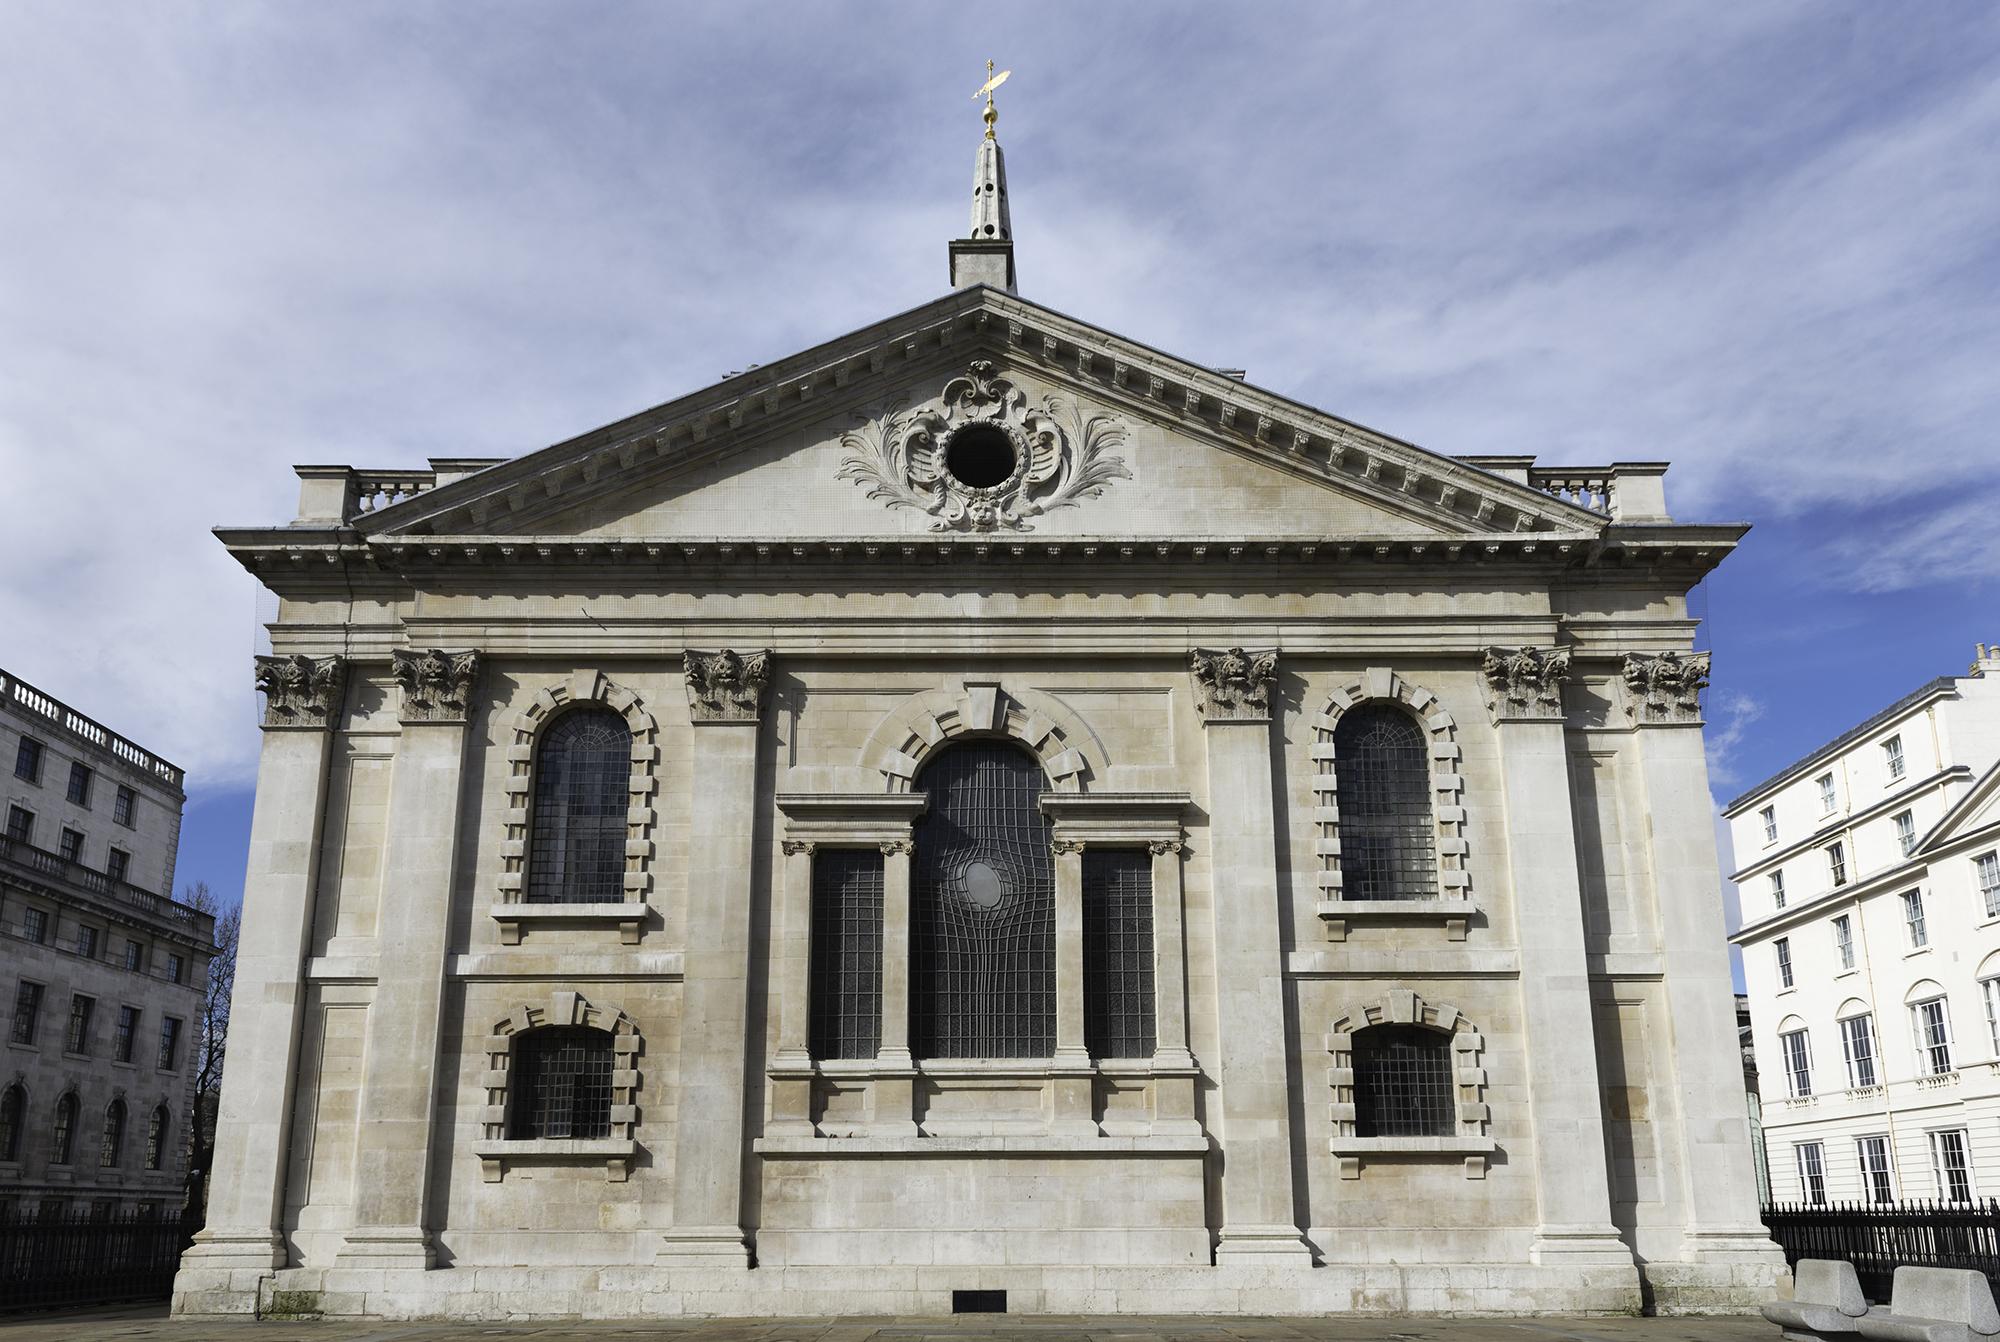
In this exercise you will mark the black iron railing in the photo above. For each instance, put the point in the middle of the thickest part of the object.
(1880, 1237)
(47, 1262)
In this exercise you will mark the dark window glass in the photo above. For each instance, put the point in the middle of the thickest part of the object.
(846, 1014)
(559, 1083)
(121, 806)
(583, 770)
(72, 846)
(28, 760)
(81, 1008)
(13, 1105)
(1382, 781)
(1118, 952)
(128, 1029)
(65, 1133)
(135, 956)
(1403, 1083)
(156, 1139)
(35, 925)
(112, 1149)
(27, 1011)
(79, 783)
(20, 824)
(170, 1043)
(116, 861)
(982, 909)
(86, 942)
(176, 968)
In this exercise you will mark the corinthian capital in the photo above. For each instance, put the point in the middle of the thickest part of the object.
(301, 691)
(1525, 684)
(727, 686)
(437, 686)
(1665, 688)
(1232, 685)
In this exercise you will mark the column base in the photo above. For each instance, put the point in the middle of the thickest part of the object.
(225, 1250)
(698, 1246)
(395, 1248)
(1264, 1243)
(1742, 1244)
(1579, 1246)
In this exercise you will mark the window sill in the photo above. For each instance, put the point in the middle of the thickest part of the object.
(1849, 972)
(628, 915)
(1473, 1150)
(1455, 914)
(1916, 951)
(617, 1153)
(1023, 1144)
(965, 1069)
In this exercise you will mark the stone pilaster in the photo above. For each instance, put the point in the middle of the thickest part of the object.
(791, 1064)
(1173, 1063)
(399, 1079)
(1573, 1186)
(1233, 689)
(893, 1099)
(1071, 1071)
(246, 1193)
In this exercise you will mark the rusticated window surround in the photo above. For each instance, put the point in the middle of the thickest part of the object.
(1454, 908)
(513, 912)
(496, 1151)
(1400, 1006)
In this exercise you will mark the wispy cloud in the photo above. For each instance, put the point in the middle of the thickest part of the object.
(1731, 714)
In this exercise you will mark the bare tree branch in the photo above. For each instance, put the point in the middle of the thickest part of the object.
(211, 1038)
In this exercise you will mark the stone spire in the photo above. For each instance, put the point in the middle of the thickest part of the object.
(986, 254)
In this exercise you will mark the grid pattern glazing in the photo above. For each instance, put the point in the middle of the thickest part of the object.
(13, 1105)
(576, 848)
(846, 1015)
(156, 1139)
(112, 1148)
(1118, 952)
(1382, 783)
(982, 909)
(1403, 1083)
(559, 1083)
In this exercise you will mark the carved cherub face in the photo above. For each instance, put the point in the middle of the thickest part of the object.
(728, 668)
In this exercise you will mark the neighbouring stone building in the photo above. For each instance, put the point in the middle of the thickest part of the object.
(103, 971)
(1870, 879)
(982, 805)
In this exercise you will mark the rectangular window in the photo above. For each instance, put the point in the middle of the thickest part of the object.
(35, 925)
(1986, 869)
(128, 1032)
(27, 1011)
(135, 956)
(86, 942)
(1857, 1045)
(1118, 952)
(71, 849)
(1778, 889)
(845, 1005)
(1812, 1173)
(28, 760)
(1769, 815)
(1836, 864)
(1989, 989)
(1827, 799)
(1798, 1062)
(20, 824)
(79, 783)
(176, 968)
(1949, 1165)
(77, 1039)
(1913, 917)
(1783, 947)
(1892, 755)
(1872, 1154)
(122, 806)
(1843, 941)
(1906, 832)
(170, 1043)
(1932, 1024)
(116, 863)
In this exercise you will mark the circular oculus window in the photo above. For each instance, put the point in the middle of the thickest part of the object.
(981, 456)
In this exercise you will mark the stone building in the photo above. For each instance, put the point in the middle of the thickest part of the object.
(103, 971)
(982, 805)
(1870, 879)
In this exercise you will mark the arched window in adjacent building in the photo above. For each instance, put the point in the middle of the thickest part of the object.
(65, 1133)
(156, 1138)
(982, 908)
(576, 822)
(1404, 1084)
(1382, 780)
(559, 1083)
(13, 1106)
(113, 1145)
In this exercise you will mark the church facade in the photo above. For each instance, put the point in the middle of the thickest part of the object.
(982, 806)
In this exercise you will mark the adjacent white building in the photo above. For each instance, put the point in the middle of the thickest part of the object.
(1870, 875)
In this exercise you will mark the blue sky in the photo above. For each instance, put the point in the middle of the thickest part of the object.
(1760, 240)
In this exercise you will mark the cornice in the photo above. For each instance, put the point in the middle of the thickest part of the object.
(1847, 820)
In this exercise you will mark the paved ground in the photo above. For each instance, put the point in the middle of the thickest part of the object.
(153, 1325)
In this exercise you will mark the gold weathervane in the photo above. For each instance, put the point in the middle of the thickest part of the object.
(993, 81)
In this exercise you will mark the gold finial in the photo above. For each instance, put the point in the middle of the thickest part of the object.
(993, 81)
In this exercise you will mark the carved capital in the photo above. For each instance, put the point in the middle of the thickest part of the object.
(1232, 685)
(437, 686)
(794, 847)
(727, 686)
(1161, 847)
(301, 691)
(893, 847)
(1665, 688)
(1065, 847)
(1525, 684)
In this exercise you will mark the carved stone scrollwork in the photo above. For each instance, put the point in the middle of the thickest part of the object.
(1161, 847)
(1666, 688)
(301, 691)
(1233, 685)
(795, 847)
(894, 847)
(437, 686)
(1035, 460)
(1065, 847)
(1525, 684)
(727, 686)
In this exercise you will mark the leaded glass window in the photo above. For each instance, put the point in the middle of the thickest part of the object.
(1403, 1083)
(156, 1139)
(1118, 952)
(65, 1133)
(112, 1149)
(576, 849)
(1382, 777)
(982, 909)
(559, 1083)
(13, 1105)
(846, 1015)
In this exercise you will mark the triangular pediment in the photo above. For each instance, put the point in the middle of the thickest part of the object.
(1974, 815)
(1110, 438)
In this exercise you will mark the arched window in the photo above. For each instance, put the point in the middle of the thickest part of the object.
(982, 908)
(583, 770)
(156, 1139)
(114, 1135)
(1404, 1084)
(12, 1105)
(1382, 782)
(559, 1083)
(65, 1134)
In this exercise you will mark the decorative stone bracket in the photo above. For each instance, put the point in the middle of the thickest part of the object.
(727, 686)
(1401, 1006)
(300, 691)
(496, 1150)
(1664, 690)
(1232, 685)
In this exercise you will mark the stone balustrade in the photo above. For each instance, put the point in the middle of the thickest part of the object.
(16, 690)
(339, 494)
(1625, 491)
(53, 867)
